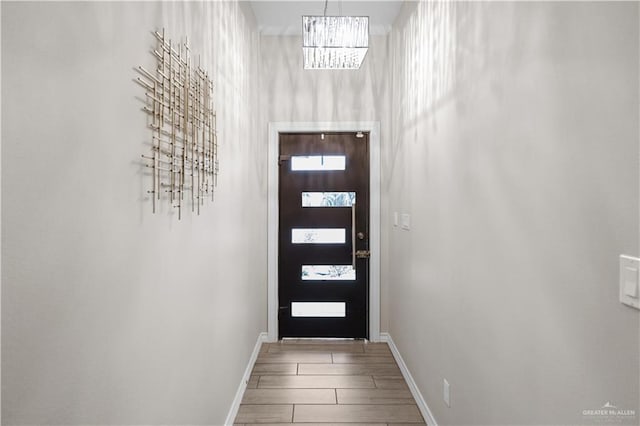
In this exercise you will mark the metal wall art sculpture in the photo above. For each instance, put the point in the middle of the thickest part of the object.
(184, 147)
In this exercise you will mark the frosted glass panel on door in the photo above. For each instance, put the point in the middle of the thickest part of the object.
(318, 235)
(318, 309)
(328, 273)
(318, 162)
(328, 199)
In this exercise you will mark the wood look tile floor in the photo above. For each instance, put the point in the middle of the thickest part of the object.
(331, 383)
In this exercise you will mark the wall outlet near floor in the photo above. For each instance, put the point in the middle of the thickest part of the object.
(446, 392)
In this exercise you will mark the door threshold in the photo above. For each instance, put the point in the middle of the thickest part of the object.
(320, 339)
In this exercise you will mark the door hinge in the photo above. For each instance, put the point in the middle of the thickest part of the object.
(282, 311)
(363, 254)
(283, 158)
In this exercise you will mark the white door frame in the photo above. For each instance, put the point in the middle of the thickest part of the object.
(275, 128)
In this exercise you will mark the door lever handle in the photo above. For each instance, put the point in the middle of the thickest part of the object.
(356, 254)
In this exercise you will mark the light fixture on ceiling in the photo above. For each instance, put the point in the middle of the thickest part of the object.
(334, 42)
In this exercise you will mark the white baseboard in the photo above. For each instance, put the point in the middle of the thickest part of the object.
(417, 395)
(235, 404)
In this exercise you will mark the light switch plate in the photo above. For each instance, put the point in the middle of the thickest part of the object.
(629, 281)
(395, 218)
(406, 221)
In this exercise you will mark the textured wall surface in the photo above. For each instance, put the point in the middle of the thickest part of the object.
(515, 150)
(111, 315)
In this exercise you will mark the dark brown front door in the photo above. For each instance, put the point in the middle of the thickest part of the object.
(324, 190)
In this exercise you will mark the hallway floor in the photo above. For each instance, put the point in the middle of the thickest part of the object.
(335, 382)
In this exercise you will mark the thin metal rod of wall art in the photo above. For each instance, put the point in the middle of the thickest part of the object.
(182, 119)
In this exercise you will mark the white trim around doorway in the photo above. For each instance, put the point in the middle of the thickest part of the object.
(275, 128)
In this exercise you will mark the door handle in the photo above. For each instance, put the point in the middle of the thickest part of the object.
(356, 254)
(353, 235)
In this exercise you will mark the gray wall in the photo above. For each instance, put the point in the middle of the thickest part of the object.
(515, 151)
(111, 315)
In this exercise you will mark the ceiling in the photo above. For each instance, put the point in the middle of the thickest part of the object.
(285, 17)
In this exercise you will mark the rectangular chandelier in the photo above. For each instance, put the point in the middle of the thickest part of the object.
(334, 42)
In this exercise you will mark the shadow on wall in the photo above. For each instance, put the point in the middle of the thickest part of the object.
(295, 94)
(423, 67)
(438, 54)
(427, 57)
(237, 62)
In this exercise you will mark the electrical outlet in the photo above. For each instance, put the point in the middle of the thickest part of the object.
(446, 393)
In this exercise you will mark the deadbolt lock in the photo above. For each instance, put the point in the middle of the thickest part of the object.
(363, 254)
